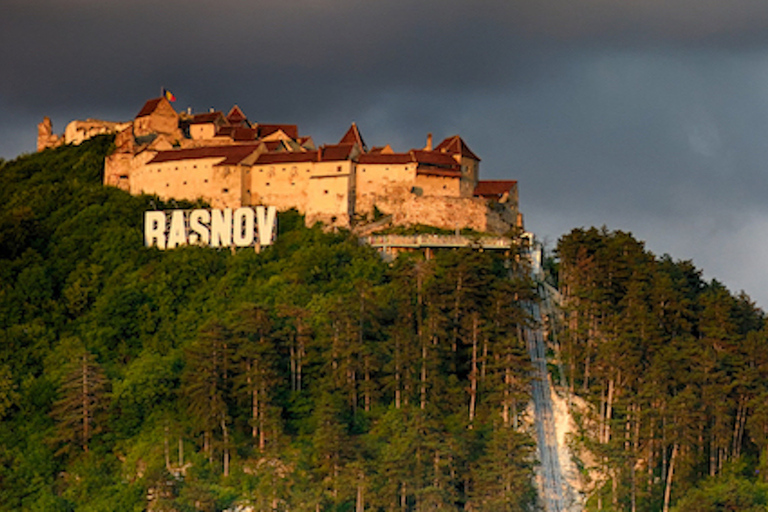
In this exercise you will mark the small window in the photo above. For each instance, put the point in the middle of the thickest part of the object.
(267, 183)
(338, 169)
(325, 191)
(194, 166)
(226, 190)
(185, 183)
(205, 180)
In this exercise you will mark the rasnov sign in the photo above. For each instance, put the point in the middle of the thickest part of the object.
(242, 227)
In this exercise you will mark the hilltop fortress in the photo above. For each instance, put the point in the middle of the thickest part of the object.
(229, 161)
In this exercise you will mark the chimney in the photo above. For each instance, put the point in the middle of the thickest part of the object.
(428, 147)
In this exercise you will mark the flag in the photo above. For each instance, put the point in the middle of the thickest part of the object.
(168, 95)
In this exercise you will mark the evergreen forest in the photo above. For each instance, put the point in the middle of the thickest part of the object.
(315, 376)
(310, 376)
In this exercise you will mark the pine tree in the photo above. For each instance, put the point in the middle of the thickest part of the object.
(82, 400)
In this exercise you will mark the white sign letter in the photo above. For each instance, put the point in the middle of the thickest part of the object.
(198, 221)
(221, 228)
(177, 235)
(265, 217)
(242, 224)
(154, 229)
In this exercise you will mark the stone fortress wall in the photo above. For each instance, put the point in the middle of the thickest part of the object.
(230, 161)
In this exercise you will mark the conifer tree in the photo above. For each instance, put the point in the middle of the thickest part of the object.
(82, 400)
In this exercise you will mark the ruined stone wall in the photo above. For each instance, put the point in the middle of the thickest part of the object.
(476, 213)
(78, 132)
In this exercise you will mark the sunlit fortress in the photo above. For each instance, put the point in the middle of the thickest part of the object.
(230, 161)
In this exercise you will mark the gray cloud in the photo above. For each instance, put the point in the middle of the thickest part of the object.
(645, 116)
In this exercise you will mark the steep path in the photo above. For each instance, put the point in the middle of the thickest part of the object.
(552, 484)
(555, 491)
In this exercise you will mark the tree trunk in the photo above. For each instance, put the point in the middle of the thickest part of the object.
(670, 475)
(473, 372)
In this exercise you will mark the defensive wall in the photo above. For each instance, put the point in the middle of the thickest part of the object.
(230, 161)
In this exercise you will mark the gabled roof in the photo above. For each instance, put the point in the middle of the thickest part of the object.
(231, 155)
(341, 151)
(382, 149)
(239, 133)
(285, 158)
(208, 117)
(434, 158)
(385, 158)
(150, 106)
(494, 189)
(456, 146)
(353, 137)
(236, 116)
(290, 130)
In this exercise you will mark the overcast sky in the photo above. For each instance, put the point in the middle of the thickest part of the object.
(647, 116)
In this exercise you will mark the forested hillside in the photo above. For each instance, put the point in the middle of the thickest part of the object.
(675, 371)
(311, 376)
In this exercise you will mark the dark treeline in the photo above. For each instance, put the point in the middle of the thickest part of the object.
(312, 376)
(675, 372)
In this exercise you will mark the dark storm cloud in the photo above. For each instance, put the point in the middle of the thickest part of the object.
(645, 116)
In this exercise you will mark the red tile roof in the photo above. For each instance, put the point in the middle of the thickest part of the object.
(494, 189)
(385, 158)
(149, 107)
(236, 116)
(238, 133)
(353, 137)
(336, 152)
(290, 130)
(435, 158)
(274, 145)
(207, 117)
(455, 145)
(280, 158)
(231, 154)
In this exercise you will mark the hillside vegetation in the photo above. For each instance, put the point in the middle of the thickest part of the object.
(675, 370)
(311, 376)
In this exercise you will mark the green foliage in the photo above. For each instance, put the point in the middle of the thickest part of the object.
(309, 375)
(674, 370)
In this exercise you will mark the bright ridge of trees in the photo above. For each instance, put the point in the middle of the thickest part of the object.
(675, 371)
(311, 376)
